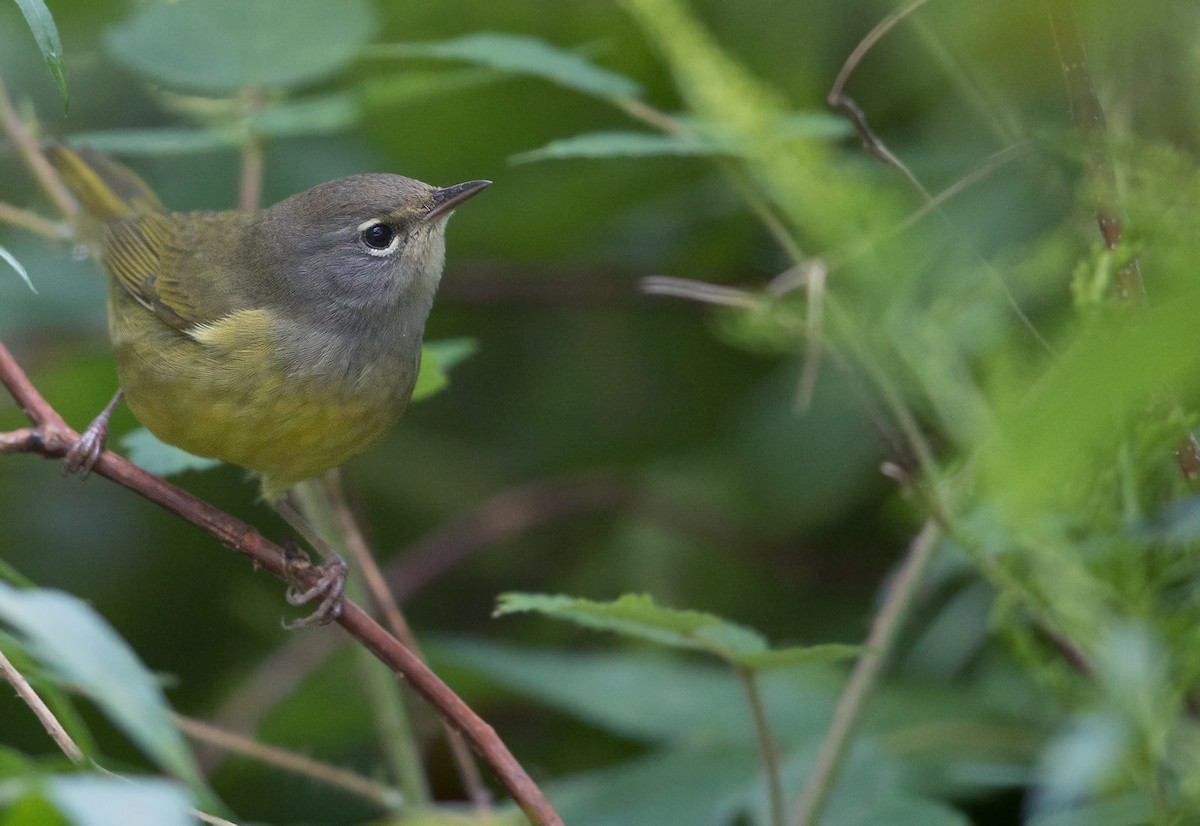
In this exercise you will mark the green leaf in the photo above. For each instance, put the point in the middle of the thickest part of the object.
(155, 456)
(691, 701)
(523, 55)
(318, 115)
(701, 140)
(619, 145)
(413, 85)
(45, 33)
(96, 800)
(637, 615)
(16, 265)
(74, 642)
(220, 46)
(437, 357)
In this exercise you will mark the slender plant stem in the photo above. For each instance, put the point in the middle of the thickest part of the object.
(378, 793)
(737, 178)
(26, 145)
(768, 751)
(40, 710)
(849, 709)
(33, 222)
(387, 705)
(250, 185)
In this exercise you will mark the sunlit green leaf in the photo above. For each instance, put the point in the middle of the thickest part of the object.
(96, 800)
(220, 46)
(437, 357)
(637, 615)
(11, 260)
(73, 641)
(520, 54)
(45, 33)
(619, 144)
(155, 456)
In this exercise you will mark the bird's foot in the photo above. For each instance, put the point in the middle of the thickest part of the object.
(328, 588)
(83, 455)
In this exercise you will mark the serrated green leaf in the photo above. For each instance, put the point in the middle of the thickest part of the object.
(95, 800)
(74, 642)
(221, 46)
(619, 145)
(45, 34)
(523, 55)
(437, 357)
(637, 615)
(11, 260)
(155, 456)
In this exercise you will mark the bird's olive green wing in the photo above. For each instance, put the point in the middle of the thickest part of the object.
(155, 259)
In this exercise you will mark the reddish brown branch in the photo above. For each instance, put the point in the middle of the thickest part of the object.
(51, 437)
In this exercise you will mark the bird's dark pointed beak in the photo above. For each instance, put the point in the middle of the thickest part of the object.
(445, 200)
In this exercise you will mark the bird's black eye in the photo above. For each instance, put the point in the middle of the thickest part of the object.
(378, 236)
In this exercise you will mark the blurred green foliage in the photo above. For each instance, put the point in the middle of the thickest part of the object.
(577, 436)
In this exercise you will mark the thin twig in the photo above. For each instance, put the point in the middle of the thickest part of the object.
(52, 438)
(813, 332)
(250, 185)
(838, 99)
(33, 222)
(40, 710)
(385, 796)
(26, 145)
(700, 291)
(850, 705)
(767, 750)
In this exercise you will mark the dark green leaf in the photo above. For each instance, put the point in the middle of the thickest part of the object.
(520, 54)
(45, 33)
(221, 46)
(155, 456)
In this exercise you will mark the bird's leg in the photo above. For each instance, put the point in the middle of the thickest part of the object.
(82, 456)
(331, 584)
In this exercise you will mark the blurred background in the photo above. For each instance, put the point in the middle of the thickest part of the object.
(599, 440)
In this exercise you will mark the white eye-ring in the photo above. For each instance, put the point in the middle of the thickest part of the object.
(379, 238)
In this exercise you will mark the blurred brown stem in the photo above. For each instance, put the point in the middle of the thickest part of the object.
(850, 705)
(386, 603)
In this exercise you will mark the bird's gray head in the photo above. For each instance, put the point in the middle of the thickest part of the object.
(361, 244)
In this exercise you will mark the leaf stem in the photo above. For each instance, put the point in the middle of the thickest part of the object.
(767, 749)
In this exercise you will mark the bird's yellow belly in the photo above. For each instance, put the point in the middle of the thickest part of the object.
(249, 410)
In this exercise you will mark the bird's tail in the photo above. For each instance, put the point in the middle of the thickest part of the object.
(106, 188)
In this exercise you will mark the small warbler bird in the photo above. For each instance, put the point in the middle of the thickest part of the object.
(284, 340)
